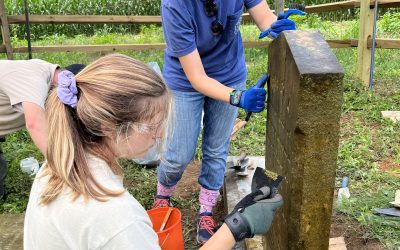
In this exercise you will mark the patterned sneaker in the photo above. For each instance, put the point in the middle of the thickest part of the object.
(206, 227)
(161, 201)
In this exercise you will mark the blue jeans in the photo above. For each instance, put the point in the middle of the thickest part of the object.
(218, 121)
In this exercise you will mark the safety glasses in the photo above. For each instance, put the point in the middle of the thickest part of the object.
(211, 9)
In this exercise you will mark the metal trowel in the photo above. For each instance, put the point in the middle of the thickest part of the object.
(261, 179)
(387, 211)
(241, 166)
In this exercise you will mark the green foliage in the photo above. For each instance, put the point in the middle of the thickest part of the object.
(80, 7)
(152, 7)
(339, 15)
(85, 7)
(140, 182)
(313, 21)
(386, 229)
(18, 184)
(336, 30)
(367, 141)
(391, 23)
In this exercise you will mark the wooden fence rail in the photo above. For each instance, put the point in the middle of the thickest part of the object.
(351, 43)
(80, 19)
(108, 19)
(364, 42)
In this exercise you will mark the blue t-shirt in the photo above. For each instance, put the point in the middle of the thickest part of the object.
(187, 27)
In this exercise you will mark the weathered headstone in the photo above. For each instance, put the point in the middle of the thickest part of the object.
(304, 107)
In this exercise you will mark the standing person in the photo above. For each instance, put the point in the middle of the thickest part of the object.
(77, 199)
(204, 67)
(24, 85)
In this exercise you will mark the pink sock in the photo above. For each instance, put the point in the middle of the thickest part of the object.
(207, 199)
(165, 191)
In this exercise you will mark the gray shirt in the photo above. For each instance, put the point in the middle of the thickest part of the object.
(22, 81)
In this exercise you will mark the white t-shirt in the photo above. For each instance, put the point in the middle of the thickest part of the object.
(120, 223)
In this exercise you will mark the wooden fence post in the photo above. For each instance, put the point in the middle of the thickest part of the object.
(5, 31)
(279, 5)
(365, 33)
(304, 107)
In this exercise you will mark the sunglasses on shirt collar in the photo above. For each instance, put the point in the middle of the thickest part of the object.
(211, 9)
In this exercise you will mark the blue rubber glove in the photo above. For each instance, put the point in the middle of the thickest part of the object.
(283, 23)
(253, 99)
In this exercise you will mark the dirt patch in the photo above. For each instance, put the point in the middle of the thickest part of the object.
(352, 231)
(346, 118)
(386, 87)
(188, 184)
(349, 118)
(390, 167)
(347, 122)
(186, 193)
(346, 129)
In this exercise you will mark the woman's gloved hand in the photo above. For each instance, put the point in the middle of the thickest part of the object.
(283, 23)
(252, 99)
(253, 214)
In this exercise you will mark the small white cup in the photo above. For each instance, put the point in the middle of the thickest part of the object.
(29, 165)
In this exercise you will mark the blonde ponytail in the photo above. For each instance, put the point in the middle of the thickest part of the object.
(114, 92)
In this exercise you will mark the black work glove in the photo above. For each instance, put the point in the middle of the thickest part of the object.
(253, 214)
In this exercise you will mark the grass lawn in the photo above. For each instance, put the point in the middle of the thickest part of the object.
(369, 150)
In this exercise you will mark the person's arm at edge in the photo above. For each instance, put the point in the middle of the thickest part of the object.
(35, 122)
(262, 15)
(194, 70)
(222, 239)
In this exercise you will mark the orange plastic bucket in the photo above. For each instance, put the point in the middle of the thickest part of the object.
(171, 238)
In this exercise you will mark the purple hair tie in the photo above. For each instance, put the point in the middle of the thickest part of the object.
(66, 89)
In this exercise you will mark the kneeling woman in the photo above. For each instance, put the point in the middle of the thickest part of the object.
(116, 107)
